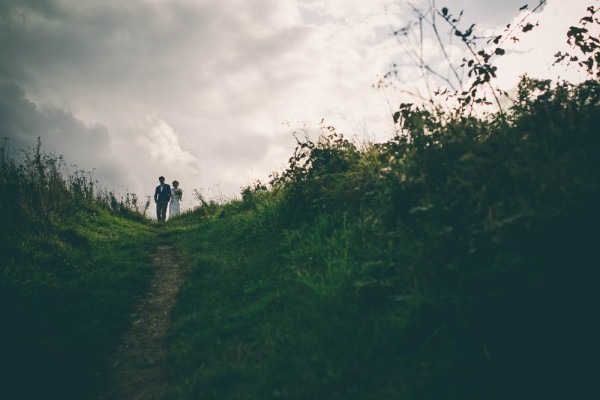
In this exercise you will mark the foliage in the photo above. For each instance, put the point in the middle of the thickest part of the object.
(43, 190)
(467, 86)
(453, 261)
(456, 260)
(71, 266)
(585, 39)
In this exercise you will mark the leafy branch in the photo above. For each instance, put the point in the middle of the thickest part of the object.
(478, 68)
(580, 37)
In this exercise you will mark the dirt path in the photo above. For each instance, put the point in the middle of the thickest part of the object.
(138, 364)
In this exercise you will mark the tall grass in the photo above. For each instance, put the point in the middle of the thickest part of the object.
(71, 266)
(457, 260)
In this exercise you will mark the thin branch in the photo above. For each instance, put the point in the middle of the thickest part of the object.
(442, 47)
(541, 3)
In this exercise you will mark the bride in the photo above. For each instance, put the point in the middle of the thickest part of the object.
(176, 195)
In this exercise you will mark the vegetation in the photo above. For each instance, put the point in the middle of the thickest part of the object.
(456, 261)
(72, 261)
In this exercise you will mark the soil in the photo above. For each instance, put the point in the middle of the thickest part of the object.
(137, 367)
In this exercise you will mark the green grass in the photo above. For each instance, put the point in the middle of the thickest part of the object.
(66, 299)
(457, 264)
(458, 260)
(72, 264)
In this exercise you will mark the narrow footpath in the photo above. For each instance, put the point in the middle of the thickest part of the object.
(137, 367)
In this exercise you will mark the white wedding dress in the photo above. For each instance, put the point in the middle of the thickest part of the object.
(174, 204)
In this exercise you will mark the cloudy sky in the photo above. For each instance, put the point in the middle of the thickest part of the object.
(209, 92)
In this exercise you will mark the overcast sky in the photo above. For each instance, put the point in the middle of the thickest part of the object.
(208, 92)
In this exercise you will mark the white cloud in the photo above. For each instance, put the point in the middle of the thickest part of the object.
(219, 78)
(162, 143)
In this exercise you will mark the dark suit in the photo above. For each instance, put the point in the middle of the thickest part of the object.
(162, 195)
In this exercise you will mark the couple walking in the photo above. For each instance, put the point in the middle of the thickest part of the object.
(162, 195)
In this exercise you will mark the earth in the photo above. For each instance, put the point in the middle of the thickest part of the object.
(137, 366)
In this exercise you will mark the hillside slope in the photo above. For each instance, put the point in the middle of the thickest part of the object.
(456, 261)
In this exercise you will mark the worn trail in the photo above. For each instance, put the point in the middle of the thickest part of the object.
(138, 364)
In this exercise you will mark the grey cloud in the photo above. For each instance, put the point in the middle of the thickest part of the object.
(22, 122)
(119, 42)
(19, 118)
(212, 70)
(219, 76)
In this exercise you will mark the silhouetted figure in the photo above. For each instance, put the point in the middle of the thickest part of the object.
(162, 195)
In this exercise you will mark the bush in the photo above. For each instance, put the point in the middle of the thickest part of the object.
(456, 260)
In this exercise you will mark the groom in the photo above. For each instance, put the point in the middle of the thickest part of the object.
(162, 195)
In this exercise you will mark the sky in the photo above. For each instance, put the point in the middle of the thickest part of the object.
(211, 92)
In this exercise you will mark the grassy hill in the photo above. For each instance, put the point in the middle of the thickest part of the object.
(71, 267)
(458, 260)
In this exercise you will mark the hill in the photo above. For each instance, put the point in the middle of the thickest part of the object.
(72, 264)
(457, 260)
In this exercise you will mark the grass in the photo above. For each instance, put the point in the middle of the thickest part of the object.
(66, 299)
(456, 262)
(71, 267)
